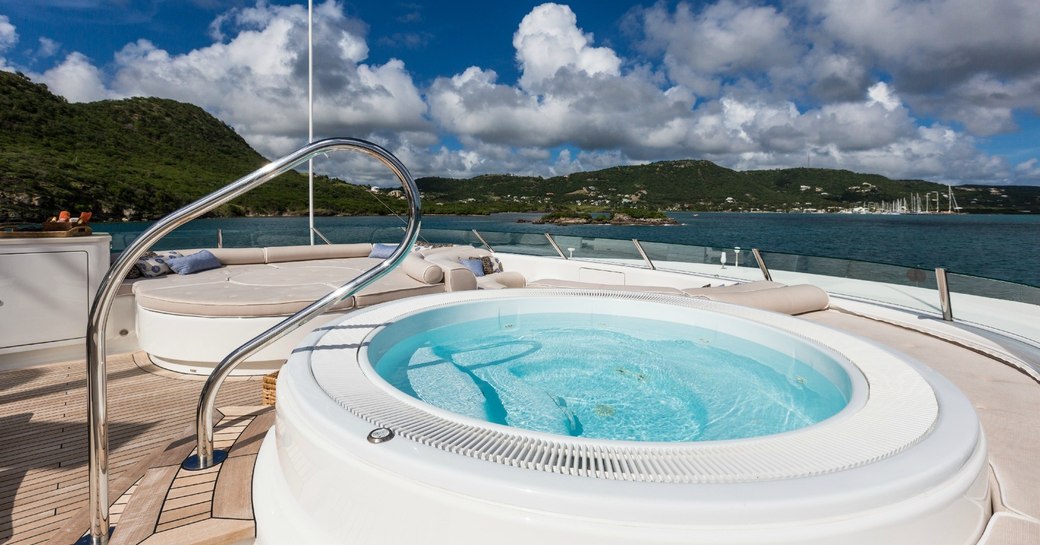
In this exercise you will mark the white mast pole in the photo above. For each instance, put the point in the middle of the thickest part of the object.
(310, 115)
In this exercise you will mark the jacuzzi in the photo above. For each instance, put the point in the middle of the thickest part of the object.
(358, 459)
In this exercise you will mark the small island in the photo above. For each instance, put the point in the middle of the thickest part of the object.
(628, 216)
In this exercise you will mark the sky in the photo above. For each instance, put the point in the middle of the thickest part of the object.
(943, 90)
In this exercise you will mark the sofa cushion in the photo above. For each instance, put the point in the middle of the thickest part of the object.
(421, 270)
(231, 299)
(281, 254)
(382, 251)
(197, 262)
(236, 256)
(797, 299)
(474, 264)
(155, 264)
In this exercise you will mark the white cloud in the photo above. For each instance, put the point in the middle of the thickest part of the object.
(48, 47)
(8, 34)
(75, 79)
(549, 40)
(957, 59)
(723, 39)
(254, 77)
(745, 85)
(1028, 170)
(8, 37)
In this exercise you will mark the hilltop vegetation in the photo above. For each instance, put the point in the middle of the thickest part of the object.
(141, 158)
(138, 158)
(703, 186)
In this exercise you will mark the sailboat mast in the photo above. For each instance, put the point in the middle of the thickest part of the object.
(310, 116)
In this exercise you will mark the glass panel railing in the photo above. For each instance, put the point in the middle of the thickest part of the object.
(907, 287)
(719, 262)
(519, 243)
(448, 236)
(622, 252)
(996, 305)
(988, 287)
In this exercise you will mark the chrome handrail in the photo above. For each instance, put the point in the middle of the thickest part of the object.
(554, 245)
(315, 231)
(642, 252)
(944, 294)
(762, 265)
(97, 410)
(482, 241)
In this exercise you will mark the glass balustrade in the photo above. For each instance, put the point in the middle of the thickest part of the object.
(891, 284)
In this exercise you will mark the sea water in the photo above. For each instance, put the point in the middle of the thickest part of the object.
(612, 378)
(1005, 247)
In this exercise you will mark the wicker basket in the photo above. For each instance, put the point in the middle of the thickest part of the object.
(267, 392)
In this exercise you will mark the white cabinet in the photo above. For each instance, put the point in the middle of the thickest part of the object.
(46, 288)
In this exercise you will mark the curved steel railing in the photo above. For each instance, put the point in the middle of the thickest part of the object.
(97, 417)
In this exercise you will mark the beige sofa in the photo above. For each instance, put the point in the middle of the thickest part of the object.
(457, 277)
(798, 299)
(280, 281)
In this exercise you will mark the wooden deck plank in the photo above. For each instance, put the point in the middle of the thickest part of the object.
(207, 532)
(142, 512)
(181, 513)
(43, 457)
(165, 526)
(233, 496)
(185, 491)
(249, 442)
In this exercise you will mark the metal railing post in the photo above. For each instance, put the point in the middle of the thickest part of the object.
(97, 387)
(315, 231)
(206, 456)
(482, 241)
(555, 246)
(762, 265)
(646, 258)
(944, 294)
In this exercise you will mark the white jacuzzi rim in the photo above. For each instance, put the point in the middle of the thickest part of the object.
(900, 399)
(856, 395)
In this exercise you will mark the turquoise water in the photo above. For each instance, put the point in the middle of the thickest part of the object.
(607, 377)
(992, 246)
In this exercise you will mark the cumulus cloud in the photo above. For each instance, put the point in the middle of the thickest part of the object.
(8, 35)
(549, 40)
(948, 57)
(77, 79)
(632, 117)
(746, 84)
(254, 77)
(48, 47)
(723, 39)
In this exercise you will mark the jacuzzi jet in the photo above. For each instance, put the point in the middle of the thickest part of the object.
(380, 435)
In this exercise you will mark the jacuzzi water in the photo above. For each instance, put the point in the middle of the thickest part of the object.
(611, 377)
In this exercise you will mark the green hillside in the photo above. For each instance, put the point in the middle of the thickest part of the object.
(703, 185)
(142, 158)
(138, 158)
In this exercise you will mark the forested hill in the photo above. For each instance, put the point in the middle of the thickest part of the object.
(138, 158)
(141, 158)
(703, 185)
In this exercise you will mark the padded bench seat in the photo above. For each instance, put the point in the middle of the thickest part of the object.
(215, 311)
(281, 288)
(760, 294)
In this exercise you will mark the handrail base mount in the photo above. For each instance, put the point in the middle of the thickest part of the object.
(194, 463)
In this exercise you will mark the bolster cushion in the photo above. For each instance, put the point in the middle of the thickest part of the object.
(421, 270)
(797, 299)
(281, 254)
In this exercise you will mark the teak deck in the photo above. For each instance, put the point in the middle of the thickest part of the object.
(43, 484)
(43, 450)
